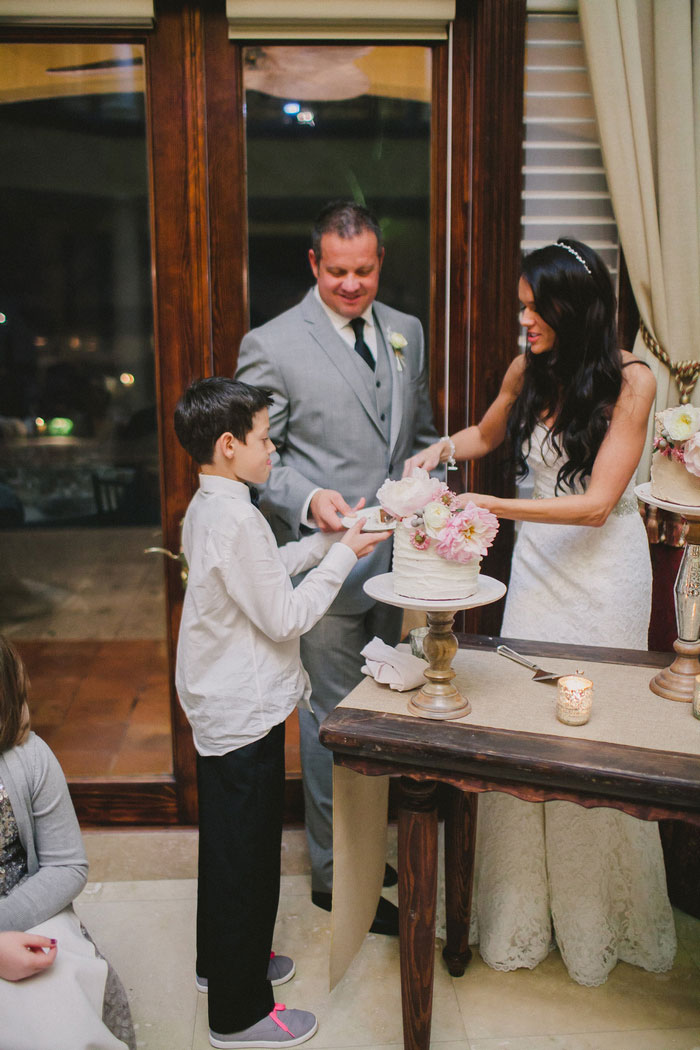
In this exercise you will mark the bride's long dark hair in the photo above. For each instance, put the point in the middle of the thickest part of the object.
(578, 381)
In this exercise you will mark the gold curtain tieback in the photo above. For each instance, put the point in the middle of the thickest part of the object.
(685, 373)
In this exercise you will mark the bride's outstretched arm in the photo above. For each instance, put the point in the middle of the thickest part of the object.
(614, 466)
(476, 441)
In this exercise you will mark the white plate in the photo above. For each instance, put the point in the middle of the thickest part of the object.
(373, 523)
(381, 588)
(643, 492)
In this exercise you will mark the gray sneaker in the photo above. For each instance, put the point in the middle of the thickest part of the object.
(280, 970)
(294, 1028)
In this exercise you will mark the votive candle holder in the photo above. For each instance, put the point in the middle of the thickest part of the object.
(574, 699)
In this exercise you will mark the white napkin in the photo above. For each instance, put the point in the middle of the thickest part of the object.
(390, 667)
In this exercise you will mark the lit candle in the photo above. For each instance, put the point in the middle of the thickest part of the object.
(575, 699)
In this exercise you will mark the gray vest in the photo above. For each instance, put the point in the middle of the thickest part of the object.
(382, 383)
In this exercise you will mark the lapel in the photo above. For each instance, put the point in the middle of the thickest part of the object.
(343, 358)
(399, 383)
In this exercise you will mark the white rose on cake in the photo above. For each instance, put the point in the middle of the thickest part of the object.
(681, 422)
(435, 517)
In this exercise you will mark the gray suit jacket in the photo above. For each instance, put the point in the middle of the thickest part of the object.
(325, 421)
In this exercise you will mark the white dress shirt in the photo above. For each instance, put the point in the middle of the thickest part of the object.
(238, 670)
(344, 328)
(345, 331)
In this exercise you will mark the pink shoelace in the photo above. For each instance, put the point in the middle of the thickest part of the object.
(275, 1018)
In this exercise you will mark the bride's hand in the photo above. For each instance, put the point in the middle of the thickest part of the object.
(473, 497)
(428, 458)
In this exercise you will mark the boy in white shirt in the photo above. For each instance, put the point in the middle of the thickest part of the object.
(238, 677)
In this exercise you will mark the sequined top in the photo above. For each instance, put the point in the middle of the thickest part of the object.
(13, 859)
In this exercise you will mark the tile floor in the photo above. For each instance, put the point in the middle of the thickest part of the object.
(140, 907)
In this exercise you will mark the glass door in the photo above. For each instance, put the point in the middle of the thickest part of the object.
(79, 449)
(326, 122)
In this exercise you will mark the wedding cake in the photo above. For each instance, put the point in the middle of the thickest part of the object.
(438, 544)
(675, 462)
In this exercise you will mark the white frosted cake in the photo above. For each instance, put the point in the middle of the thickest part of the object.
(423, 574)
(671, 482)
(675, 463)
(438, 544)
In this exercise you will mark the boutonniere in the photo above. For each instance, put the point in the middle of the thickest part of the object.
(397, 342)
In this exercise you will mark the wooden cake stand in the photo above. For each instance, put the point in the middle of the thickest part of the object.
(439, 697)
(677, 681)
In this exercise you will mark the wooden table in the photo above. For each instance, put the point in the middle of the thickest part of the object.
(468, 759)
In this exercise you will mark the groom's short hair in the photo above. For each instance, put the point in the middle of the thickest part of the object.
(346, 219)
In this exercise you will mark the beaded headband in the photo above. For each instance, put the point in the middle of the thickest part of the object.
(572, 251)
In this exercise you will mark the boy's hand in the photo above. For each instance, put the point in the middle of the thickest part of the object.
(360, 542)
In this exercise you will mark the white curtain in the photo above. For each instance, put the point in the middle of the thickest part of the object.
(644, 64)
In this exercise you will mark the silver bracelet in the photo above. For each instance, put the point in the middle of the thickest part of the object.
(451, 465)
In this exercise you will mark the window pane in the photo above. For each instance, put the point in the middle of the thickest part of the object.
(79, 470)
(324, 122)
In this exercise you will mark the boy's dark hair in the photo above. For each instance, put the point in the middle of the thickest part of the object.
(215, 406)
(346, 219)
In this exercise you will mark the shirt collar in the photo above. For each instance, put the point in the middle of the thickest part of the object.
(225, 486)
(337, 320)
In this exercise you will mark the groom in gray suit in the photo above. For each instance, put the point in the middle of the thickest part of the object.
(349, 381)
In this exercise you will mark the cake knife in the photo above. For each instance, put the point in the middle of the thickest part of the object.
(540, 674)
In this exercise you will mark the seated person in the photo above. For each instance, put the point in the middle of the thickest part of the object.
(78, 1003)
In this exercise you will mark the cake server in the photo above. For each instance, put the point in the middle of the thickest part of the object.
(540, 674)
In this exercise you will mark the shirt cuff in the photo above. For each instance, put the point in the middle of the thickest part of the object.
(305, 519)
(341, 554)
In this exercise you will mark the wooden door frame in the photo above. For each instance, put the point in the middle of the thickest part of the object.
(486, 190)
(106, 800)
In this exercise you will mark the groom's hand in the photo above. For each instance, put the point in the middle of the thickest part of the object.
(328, 506)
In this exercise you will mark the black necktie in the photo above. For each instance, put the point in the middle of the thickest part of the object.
(361, 348)
(254, 495)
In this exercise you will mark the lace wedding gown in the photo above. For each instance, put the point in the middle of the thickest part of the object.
(592, 879)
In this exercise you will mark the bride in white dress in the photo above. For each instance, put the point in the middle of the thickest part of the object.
(575, 411)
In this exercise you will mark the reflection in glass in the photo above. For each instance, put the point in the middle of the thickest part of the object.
(79, 468)
(324, 122)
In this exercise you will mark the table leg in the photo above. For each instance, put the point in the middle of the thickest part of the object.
(460, 838)
(417, 897)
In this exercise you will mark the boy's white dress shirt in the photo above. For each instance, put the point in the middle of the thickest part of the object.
(238, 669)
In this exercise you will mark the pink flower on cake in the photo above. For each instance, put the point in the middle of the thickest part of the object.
(409, 495)
(467, 535)
(420, 540)
(691, 455)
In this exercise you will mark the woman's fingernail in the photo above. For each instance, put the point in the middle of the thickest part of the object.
(54, 942)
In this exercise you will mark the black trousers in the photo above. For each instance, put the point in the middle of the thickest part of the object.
(240, 839)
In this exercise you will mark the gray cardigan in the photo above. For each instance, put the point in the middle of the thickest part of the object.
(49, 833)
